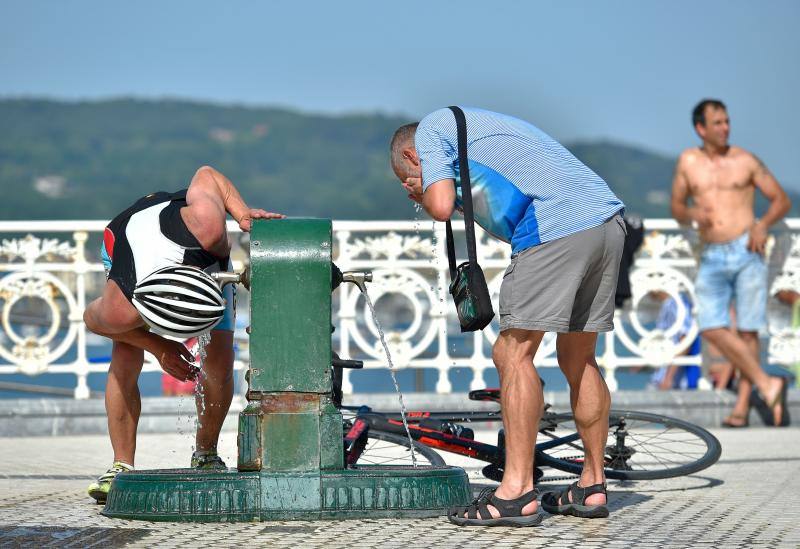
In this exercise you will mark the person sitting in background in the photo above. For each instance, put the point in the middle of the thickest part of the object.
(675, 376)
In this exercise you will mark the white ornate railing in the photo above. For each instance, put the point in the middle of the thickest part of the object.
(47, 275)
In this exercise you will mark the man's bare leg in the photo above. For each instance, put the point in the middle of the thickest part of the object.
(737, 351)
(217, 389)
(590, 401)
(722, 373)
(123, 403)
(669, 378)
(720, 367)
(522, 402)
(741, 409)
(746, 388)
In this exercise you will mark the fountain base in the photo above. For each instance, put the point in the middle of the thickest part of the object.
(232, 496)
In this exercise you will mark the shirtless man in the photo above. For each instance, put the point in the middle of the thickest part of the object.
(721, 181)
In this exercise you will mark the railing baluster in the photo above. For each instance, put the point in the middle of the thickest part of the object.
(410, 252)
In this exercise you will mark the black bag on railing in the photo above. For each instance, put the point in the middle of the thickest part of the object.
(467, 282)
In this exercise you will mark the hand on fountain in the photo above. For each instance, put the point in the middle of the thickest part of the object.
(175, 359)
(247, 219)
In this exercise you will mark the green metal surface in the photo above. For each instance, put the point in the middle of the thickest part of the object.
(249, 439)
(290, 305)
(290, 432)
(331, 440)
(232, 496)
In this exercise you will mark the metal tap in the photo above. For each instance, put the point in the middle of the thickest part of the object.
(224, 277)
(358, 278)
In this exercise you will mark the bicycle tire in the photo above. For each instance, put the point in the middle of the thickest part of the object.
(377, 454)
(698, 448)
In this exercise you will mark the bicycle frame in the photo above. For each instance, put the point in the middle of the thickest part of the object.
(464, 446)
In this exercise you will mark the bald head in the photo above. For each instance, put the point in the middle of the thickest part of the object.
(403, 141)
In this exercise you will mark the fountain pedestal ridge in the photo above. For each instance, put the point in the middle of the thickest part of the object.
(291, 457)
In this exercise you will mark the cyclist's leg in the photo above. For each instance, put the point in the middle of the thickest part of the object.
(216, 391)
(590, 401)
(123, 403)
(216, 381)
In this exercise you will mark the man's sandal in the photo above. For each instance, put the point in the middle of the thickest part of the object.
(560, 504)
(478, 514)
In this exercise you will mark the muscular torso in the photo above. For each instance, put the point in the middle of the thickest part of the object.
(722, 187)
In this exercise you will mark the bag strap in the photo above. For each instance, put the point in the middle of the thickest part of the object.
(466, 197)
(451, 253)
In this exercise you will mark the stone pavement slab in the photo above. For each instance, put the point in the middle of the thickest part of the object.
(745, 500)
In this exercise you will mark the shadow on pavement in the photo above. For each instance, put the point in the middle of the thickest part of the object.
(617, 499)
(697, 483)
(39, 536)
(47, 477)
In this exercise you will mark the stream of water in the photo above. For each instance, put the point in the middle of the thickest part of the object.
(202, 341)
(394, 378)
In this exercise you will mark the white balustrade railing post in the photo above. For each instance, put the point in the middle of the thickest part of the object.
(439, 310)
(610, 362)
(81, 268)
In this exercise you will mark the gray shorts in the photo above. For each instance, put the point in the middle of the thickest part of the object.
(565, 285)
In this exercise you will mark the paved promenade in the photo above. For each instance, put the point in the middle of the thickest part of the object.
(747, 499)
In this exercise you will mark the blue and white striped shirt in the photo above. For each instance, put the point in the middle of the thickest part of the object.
(527, 188)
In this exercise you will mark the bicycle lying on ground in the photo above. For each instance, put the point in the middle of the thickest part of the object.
(641, 446)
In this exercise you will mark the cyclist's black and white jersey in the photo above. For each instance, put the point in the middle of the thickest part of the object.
(150, 235)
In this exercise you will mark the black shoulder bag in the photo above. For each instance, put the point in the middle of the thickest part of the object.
(467, 282)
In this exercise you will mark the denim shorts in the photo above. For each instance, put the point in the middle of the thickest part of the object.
(730, 272)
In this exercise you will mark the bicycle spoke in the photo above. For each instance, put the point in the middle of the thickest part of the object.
(670, 452)
(648, 452)
(652, 441)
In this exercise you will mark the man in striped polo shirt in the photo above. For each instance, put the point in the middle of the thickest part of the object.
(566, 232)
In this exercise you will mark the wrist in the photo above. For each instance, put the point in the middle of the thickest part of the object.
(238, 210)
(152, 343)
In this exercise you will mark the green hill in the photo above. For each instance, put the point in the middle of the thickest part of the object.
(89, 160)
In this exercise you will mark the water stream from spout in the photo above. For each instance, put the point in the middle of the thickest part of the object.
(202, 341)
(394, 377)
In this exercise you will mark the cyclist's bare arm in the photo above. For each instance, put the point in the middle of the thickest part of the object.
(210, 197)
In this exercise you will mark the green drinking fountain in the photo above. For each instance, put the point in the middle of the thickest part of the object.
(291, 462)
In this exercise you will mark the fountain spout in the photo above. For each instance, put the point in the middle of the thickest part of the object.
(224, 277)
(358, 278)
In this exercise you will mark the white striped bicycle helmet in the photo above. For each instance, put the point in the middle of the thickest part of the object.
(179, 301)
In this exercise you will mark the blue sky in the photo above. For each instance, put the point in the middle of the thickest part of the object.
(623, 70)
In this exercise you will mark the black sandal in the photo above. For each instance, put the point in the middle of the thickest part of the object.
(559, 503)
(478, 514)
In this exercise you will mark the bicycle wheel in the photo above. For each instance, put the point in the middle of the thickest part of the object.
(388, 449)
(640, 446)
